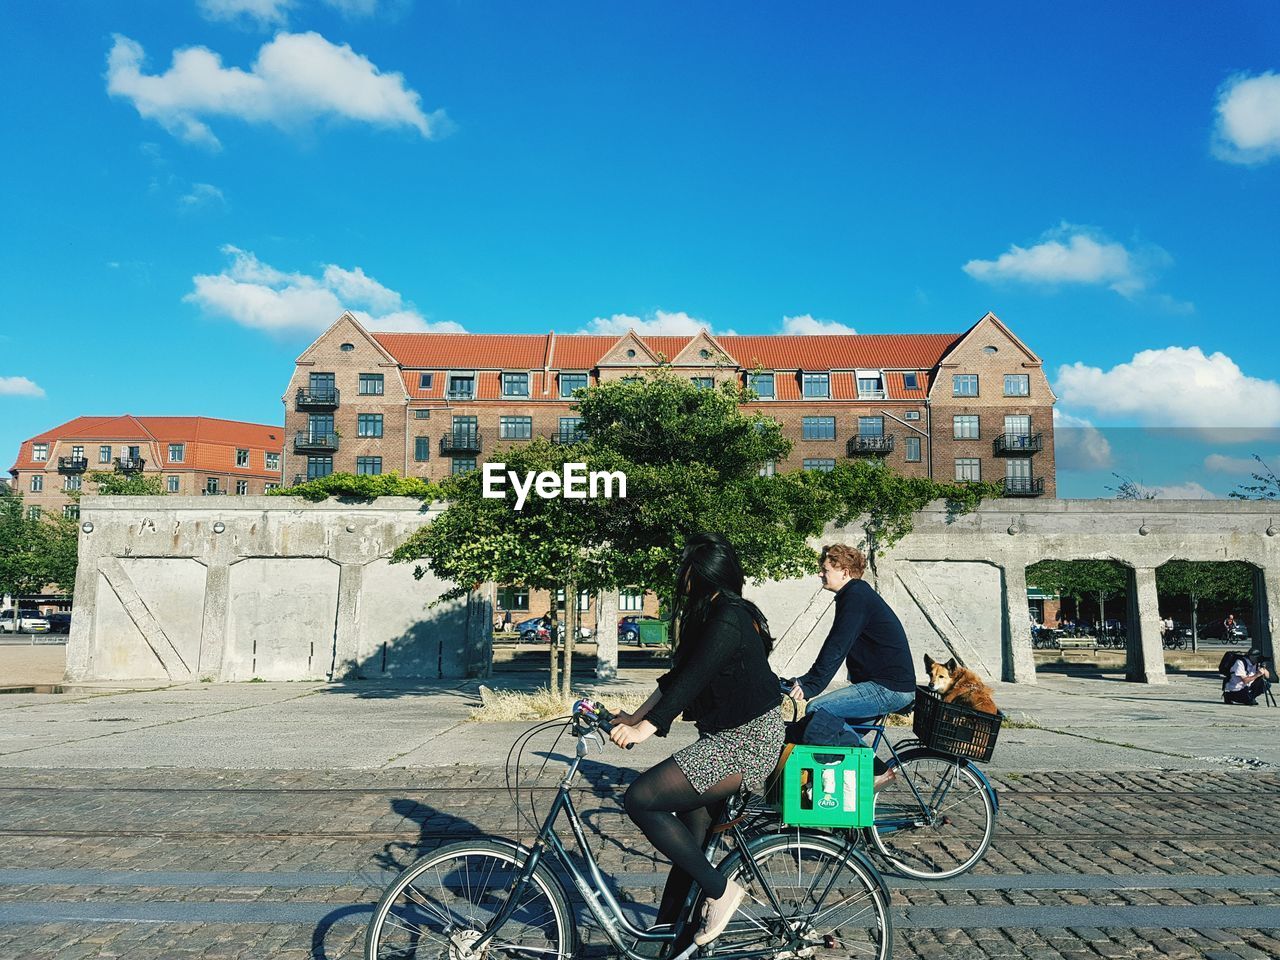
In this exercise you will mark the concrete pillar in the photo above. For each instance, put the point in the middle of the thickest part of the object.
(1266, 609)
(213, 624)
(345, 663)
(607, 635)
(1144, 661)
(1018, 662)
(79, 665)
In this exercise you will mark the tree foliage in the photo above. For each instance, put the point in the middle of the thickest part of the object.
(34, 552)
(1265, 484)
(1100, 579)
(117, 484)
(360, 488)
(1205, 580)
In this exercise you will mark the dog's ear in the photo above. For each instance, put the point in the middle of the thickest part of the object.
(928, 662)
(952, 665)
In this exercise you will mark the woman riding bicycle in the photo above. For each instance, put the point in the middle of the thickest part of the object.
(721, 680)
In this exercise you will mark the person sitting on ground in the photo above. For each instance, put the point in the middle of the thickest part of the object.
(868, 638)
(1247, 681)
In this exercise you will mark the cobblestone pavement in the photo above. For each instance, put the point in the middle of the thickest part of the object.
(158, 863)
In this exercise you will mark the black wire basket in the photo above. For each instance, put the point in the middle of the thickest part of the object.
(951, 728)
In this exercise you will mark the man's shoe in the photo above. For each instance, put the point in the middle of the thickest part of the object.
(718, 912)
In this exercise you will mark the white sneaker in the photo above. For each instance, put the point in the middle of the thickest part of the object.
(717, 913)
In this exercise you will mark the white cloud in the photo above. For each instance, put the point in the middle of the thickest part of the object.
(257, 295)
(19, 387)
(1221, 463)
(660, 323)
(1176, 387)
(296, 79)
(1078, 444)
(275, 13)
(804, 325)
(1071, 254)
(201, 195)
(1248, 124)
(1181, 491)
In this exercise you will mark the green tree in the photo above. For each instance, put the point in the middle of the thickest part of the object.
(360, 487)
(1265, 484)
(1102, 580)
(1199, 580)
(34, 552)
(112, 484)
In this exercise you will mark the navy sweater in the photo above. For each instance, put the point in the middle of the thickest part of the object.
(868, 636)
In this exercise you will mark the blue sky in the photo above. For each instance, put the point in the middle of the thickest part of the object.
(1105, 178)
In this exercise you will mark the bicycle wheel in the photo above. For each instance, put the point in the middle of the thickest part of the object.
(440, 905)
(832, 899)
(946, 836)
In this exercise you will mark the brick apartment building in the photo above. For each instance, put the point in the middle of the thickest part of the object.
(974, 405)
(192, 455)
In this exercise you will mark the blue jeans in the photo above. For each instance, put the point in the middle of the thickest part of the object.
(861, 703)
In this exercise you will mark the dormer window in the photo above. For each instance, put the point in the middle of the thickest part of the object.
(425, 380)
(570, 382)
(762, 384)
(515, 384)
(870, 385)
(816, 385)
(462, 386)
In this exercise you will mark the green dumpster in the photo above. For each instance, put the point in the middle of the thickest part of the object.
(653, 632)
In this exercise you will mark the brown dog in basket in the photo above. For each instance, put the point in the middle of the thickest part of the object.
(959, 685)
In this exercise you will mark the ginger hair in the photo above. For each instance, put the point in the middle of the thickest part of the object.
(849, 559)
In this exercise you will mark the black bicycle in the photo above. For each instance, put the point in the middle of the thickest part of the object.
(808, 893)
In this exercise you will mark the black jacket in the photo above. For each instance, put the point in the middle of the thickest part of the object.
(868, 636)
(720, 678)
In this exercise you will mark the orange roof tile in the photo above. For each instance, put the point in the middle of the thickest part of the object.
(444, 351)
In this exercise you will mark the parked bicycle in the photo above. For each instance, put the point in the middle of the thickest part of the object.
(808, 894)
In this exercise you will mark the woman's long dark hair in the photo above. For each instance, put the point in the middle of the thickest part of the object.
(708, 566)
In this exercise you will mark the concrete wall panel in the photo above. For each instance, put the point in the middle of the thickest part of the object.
(120, 651)
(408, 637)
(280, 619)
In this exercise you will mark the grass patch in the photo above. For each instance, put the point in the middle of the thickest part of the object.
(507, 706)
(1024, 723)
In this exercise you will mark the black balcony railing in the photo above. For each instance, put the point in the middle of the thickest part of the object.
(213, 493)
(460, 441)
(317, 399)
(130, 464)
(72, 464)
(1017, 444)
(568, 436)
(1024, 486)
(315, 441)
(880, 445)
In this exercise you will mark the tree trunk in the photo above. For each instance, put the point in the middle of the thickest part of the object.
(1195, 630)
(1102, 612)
(570, 635)
(554, 685)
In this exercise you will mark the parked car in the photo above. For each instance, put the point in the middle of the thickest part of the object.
(59, 622)
(28, 621)
(532, 630)
(629, 628)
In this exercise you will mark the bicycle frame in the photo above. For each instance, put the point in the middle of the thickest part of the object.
(600, 900)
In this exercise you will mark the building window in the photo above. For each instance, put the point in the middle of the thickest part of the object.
(1018, 468)
(369, 466)
(37, 482)
(322, 385)
(462, 388)
(768, 468)
(272, 461)
(1017, 426)
(71, 511)
(871, 426)
(912, 446)
(73, 482)
(704, 383)
(818, 428)
(965, 426)
(177, 452)
(421, 449)
(817, 385)
(242, 458)
(211, 485)
(515, 384)
(570, 430)
(584, 600)
(964, 384)
(104, 454)
(39, 451)
(762, 384)
(462, 465)
(422, 414)
(631, 600)
(513, 598)
(77, 452)
(347, 347)
(1017, 385)
(870, 387)
(33, 513)
(369, 425)
(242, 487)
(425, 380)
(912, 415)
(820, 464)
(910, 381)
(320, 427)
(968, 468)
(173, 483)
(570, 382)
(319, 467)
(271, 486)
(371, 384)
(515, 428)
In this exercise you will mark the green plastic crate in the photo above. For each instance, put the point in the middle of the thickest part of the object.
(652, 632)
(805, 800)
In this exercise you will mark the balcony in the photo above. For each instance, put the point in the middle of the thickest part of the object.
(130, 464)
(323, 442)
(872, 395)
(1017, 444)
(1024, 486)
(876, 446)
(568, 436)
(317, 399)
(213, 493)
(460, 395)
(72, 464)
(460, 441)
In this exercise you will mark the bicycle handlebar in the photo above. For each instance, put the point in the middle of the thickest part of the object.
(595, 715)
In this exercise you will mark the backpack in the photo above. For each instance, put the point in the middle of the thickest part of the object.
(1228, 662)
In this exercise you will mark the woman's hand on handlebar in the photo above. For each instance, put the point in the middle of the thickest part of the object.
(624, 735)
(625, 718)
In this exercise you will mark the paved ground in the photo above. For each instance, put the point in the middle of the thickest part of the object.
(261, 820)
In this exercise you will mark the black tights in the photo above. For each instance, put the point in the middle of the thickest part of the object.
(676, 819)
